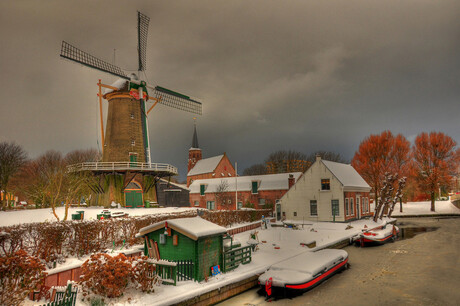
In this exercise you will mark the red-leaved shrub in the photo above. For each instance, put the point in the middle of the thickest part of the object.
(19, 274)
(143, 274)
(105, 275)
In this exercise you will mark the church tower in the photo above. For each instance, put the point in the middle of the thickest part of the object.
(194, 153)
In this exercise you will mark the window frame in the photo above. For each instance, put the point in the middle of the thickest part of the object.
(316, 208)
(337, 205)
(325, 183)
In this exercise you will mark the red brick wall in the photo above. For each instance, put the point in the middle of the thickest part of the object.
(224, 167)
(352, 195)
(270, 197)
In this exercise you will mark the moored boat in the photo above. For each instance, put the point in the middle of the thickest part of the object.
(303, 272)
(379, 235)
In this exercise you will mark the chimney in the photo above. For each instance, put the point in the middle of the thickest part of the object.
(291, 181)
(318, 157)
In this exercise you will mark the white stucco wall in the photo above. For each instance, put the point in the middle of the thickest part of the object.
(307, 188)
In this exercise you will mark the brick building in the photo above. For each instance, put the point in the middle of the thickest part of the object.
(212, 167)
(257, 191)
(327, 191)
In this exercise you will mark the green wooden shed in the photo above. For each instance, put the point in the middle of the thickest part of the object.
(186, 240)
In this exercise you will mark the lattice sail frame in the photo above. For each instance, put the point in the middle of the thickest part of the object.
(142, 33)
(74, 54)
(176, 100)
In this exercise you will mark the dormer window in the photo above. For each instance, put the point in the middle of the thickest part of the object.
(325, 184)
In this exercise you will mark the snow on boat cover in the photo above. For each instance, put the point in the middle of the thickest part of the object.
(378, 236)
(306, 270)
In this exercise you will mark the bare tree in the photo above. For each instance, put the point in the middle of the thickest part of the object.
(12, 157)
(222, 195)
(388, 196)
(286, 161)
(326, 155)
(257, 169)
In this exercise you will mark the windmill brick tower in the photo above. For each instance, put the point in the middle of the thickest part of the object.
(126, 174)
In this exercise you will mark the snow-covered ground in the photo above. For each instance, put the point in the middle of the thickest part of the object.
(423, 208)
(46, 215)
(288, 242)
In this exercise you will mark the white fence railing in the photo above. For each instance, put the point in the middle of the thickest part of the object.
(108, 166)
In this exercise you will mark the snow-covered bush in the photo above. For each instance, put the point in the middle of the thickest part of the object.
(105, 275)
(55, 241)
(143, 274)
(19, 274)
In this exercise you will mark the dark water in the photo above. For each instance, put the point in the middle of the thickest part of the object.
(410, 232)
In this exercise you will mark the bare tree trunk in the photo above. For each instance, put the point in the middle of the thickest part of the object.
(400, 205)
(432, 201)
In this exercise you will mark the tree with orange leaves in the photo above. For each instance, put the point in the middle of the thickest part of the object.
(380, 154)
(435, 161)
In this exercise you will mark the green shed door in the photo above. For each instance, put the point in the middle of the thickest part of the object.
(133, 195)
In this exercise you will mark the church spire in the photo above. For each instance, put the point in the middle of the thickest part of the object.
(194, 153)
(195, 137)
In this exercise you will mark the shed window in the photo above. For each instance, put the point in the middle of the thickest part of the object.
(255, 186)
(325, 184)
(335, 207)
(313, 208)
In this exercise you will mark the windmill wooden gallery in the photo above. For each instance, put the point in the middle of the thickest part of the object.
(126, 173)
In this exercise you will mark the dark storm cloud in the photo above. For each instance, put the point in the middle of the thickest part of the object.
(303, 75)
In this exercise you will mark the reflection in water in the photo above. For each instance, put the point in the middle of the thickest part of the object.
(410, 232)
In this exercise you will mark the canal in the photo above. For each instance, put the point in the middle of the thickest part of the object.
(421, 268)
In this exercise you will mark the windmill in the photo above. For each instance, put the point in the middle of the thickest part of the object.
(125, 147)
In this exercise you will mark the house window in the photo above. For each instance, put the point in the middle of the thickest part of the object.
(366, 204)
(313, 208)
(255, 186)
(133, 143)
(335, 207)
(325, 184)
(295, 214)
(346, 207)
(211, 205)
(352, 208)
(202, 189)
(261, 201)
(240, 204)
(132, 116)
(197, 203)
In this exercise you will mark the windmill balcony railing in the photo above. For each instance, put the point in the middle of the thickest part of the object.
(114, 166)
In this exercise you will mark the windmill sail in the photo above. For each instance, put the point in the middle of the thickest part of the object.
(176, 100)
(74, 54)
(142, 31)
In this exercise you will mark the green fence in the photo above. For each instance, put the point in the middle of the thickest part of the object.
(64, 298)
(167, 272)
(233, 258)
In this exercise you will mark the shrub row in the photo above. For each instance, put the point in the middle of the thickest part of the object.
(55, 241)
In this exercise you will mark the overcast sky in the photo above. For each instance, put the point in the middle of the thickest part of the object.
(300, 75)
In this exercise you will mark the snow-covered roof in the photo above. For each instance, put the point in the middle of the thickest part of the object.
(193, 228)
(206, 165)
(119, 83)
(266, 182)
(182, 186)
(346, 174)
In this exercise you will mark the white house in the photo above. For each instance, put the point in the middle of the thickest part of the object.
(327, 191)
